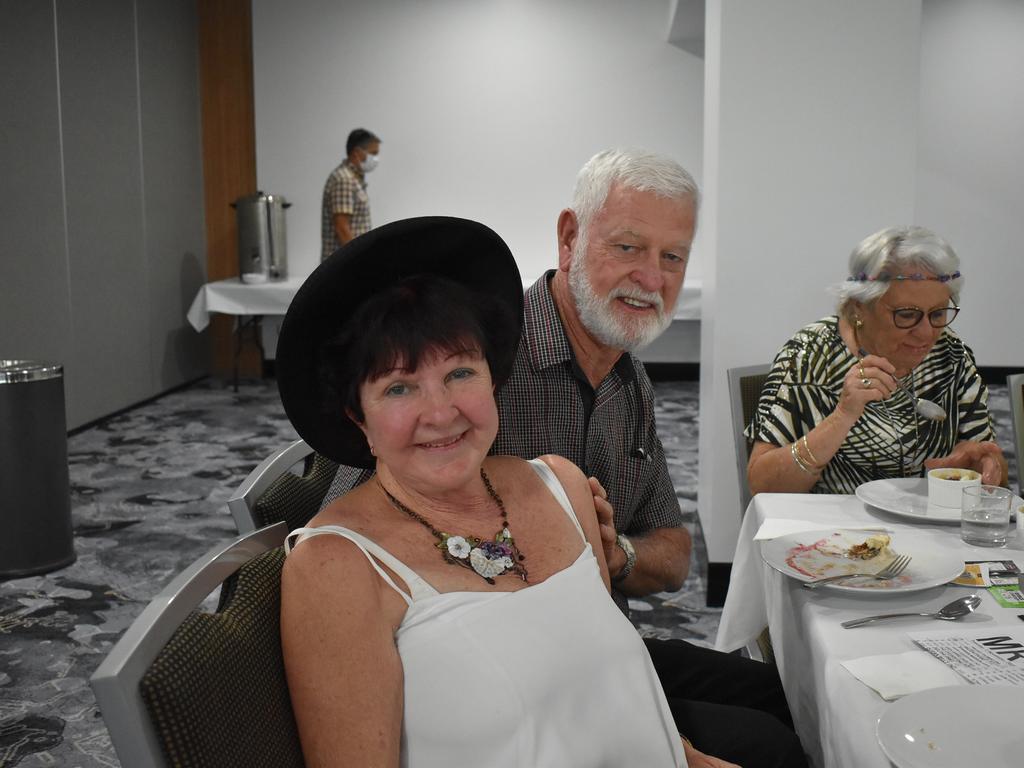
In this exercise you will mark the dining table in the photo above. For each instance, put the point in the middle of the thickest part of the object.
(835, 714)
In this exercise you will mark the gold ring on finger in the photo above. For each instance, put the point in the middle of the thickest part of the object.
(860, 370)
(866, 383)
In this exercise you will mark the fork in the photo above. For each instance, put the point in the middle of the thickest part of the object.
(892, 570)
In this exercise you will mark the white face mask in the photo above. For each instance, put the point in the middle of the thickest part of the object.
(368, 164)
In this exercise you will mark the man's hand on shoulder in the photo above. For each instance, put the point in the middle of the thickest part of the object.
(613, 553)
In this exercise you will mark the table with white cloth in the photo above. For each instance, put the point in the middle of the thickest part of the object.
(835, 714)
(233, 297)
(248, 303)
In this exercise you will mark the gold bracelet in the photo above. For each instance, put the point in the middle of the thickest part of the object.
(800, 462)
(812, 471)
(807, 448)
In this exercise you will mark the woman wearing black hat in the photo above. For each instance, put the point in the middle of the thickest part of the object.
(455, 608)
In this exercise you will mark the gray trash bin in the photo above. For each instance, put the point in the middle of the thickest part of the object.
(35, 498)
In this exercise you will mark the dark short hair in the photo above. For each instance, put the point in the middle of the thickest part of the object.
(406, 322)
(358, 139)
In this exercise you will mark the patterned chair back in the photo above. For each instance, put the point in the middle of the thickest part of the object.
(272, 493)
(184, 687)
(217, 693)
(293, 499)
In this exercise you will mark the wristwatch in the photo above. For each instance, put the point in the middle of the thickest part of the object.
(626, 546)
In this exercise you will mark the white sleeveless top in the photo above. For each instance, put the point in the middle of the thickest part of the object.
(552, 675)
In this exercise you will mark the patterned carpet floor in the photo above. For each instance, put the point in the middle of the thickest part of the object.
(148, 497)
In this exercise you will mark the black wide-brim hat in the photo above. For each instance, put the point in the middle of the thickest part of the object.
(464, 251)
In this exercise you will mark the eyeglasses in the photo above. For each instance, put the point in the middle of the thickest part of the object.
(908, 317)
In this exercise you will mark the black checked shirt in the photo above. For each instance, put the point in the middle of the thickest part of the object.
(547, 406)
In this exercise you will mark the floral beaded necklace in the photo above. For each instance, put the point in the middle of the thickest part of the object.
(487, 559)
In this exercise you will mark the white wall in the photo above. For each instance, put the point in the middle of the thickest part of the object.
(970, 162)
(486, 108)
(810, 144)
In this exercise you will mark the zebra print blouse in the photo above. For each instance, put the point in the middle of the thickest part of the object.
(889, 440)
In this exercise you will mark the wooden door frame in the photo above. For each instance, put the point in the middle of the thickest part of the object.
(229, 152)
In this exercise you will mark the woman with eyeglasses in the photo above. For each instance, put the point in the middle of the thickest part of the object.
(831, 415)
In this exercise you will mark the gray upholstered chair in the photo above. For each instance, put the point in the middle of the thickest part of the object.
(186, 687)
(1015, 390)
(273, 493)
(744, 392)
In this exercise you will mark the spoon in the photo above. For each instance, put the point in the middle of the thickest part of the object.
(926, 408)
(955, 610)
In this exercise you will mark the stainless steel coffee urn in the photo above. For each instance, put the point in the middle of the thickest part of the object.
(262, 246)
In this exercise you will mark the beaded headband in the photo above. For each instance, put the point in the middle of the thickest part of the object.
(863, 277)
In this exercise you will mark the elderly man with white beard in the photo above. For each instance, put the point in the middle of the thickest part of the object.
(577, 391)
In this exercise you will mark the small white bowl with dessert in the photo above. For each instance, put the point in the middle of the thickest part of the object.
(946, 486)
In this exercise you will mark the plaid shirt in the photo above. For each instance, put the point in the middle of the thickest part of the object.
(542, 410)
(344, 192)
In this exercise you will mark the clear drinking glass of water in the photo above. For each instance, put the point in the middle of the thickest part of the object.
(985, 515)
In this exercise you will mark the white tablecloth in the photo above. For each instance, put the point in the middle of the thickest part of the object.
(233, 297)
(835, 714)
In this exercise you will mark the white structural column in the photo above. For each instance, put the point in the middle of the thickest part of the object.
(809, 145)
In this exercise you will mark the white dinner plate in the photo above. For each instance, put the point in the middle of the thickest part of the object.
(954, 727)
(908, 497)
(815, 554)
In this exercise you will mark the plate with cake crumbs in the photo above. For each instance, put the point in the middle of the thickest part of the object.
(953, 727)
(832, 552)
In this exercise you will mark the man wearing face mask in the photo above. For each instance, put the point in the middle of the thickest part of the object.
(345, 212)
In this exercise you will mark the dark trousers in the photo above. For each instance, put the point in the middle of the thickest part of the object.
(727, 706)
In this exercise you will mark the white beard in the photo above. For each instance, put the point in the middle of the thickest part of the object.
(601, 320)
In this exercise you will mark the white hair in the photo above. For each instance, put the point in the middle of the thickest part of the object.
(890, 252)
(631, 169)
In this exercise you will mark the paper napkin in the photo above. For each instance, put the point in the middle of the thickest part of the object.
(774, 527)
(896, 674)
